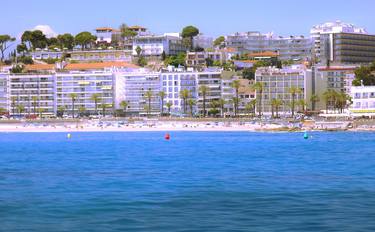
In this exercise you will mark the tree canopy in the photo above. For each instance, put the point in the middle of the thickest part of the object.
(366, 74)
(35, 39)
(84, 39)
(176, 61)
(66, 41)
(126, 32)
(187, 34)
(4, 44)
(219, 40)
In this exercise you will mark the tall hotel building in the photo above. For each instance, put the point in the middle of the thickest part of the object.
(342, 43)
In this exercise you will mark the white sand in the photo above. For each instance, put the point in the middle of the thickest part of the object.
(159, 126)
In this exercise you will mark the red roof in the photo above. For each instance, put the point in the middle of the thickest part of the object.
(81, 66)
(337, 68)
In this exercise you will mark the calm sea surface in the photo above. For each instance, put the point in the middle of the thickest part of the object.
(197, 181)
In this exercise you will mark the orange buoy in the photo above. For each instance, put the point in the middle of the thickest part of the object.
(167, 136)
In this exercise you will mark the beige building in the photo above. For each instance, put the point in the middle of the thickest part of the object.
(337, 78)
(277, 83)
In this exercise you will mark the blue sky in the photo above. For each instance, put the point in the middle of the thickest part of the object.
(212, 17)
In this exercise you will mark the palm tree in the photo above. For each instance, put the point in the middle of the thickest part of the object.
(253, 103)
(162, 95)
(35, 99)
(191, 104)
(236, 86)
(249, 108)
(148, 95)
(13, 104)
(275, 104)
(185, 94)
(21, 108)
(329, 97)
(169, 105)
(259, 87)
(314, 99)
(40, 111)
(81, 110)
(73, 97)
(203, 89)
(221, 102)
(60, 111)
(95, 98)
(104, 107)
(343, 101)
(124, 106)
(302, 104)
(293, 90)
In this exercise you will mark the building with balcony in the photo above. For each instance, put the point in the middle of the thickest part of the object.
(31, 94)
(363, 98)
(105, 34)
(346, 48)
(3, 91)
(277, 83)
(331, 28)
(155, 45)
(211, 78)
(131, 86)
(337, 78)
(203, 41)
(288, 48)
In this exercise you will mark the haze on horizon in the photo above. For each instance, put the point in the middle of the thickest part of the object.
(213, 18)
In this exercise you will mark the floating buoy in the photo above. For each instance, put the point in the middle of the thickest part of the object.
(167, 136)
(305, 135)
(68, 135)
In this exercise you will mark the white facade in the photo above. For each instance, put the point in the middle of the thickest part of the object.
(203, 41)
(34, 93)
(3, 90)
(288, 48)
(153, 45)
(176, 80)
(363, 98)
(84, 84)
(131, 86)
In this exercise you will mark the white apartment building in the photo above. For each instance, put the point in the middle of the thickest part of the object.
(173, 81)
(3, 90)
(31, 94)
(288, 48)
(363, 98)
(277, 82)
(155, 45)
(203, 41)
(84, 84)
(131, 86)
(105, 34)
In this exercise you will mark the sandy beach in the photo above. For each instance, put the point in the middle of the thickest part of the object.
(97, 126)
(178, 125)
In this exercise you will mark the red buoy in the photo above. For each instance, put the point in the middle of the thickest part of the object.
(167, 136)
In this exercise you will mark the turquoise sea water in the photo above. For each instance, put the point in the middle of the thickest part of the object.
(197, 181)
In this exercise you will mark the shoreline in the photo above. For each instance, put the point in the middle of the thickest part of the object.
(167, 130)
(171, 126)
